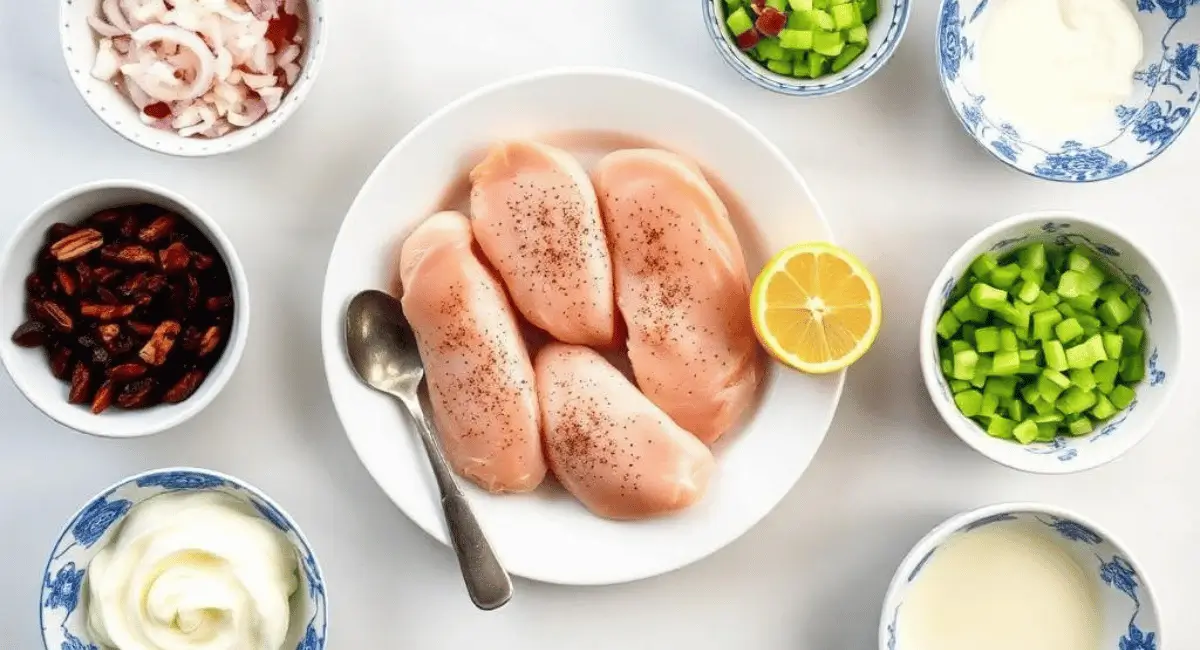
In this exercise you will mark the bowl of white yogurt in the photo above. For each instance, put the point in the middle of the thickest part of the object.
(182, 558)
(1019, 575)
(1071, 90)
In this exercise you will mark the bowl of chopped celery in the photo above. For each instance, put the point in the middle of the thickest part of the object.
(1049, 343)
(806, 48)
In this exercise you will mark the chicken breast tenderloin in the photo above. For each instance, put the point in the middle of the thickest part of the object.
(535, 216)
(682, 289)
(480, 377)
(614, 450)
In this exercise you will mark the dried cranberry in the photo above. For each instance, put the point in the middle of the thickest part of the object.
(771, 22)
(157, 110)
(747, 39)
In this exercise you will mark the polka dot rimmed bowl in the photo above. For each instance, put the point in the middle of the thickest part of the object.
(115, 110)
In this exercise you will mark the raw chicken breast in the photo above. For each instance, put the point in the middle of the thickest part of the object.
(682, 289)
(618, 453)
(535, 216)
(481, 381)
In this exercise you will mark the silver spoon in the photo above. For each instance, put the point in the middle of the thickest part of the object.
(383, 351)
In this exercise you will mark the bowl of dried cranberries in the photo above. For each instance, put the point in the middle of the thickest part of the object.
(125, 309)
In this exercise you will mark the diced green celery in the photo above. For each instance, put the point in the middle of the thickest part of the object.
(1070, 284)
(828, 43)
(857, 34)
(964, 364)
(821, 16)
(1110, 290)
(1043, 323)
(739, 22)
(1029, 393)
(947, 367)
(969, 402)
(1025, 432)
(1004, 276)
(800, 5)
(771, 50)
(1045, 301)
(1036, 276)
(1042, 406)
(1083, 378)
(968, 334)
(732, 4)
(869, 9)
(1066, 310)
(1006, 363)
(1000, 427)
(1048, 389)
(1114, 312)
(1056, 356)
(1079, 426)
(988, 297)
(1113, 344)
(968, 312)
(1133, 369)
(958, 385)
(843, 16)
(800, 65)
(778, 5)
(1075, 400)
(1121, 397)
(1092, 278)
(1105, 373)
(1133, 337)
(1057, 378)
(1016, 409)
(1103, 409)
(1032, 256)
(1090, 324)
(982, 369)
(1047, 432)
(1068, 330)
(816, 68)
(958, 345)
(987, 339)
(821, 4)
(1008, 340)
(1029, 368)
(1084, 302)
(780, 66)
(983, 265)
(850, 52)
(1048, 418)
(1030, 354)
(1086, 354)
(990, 404)
(1078, 261)
(1017, 314)
(1028, 292)
(1133, 300)
(802, 18)
(1002, 387)
(796, 39)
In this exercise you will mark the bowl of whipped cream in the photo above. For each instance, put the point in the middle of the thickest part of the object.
(183, 558)
(1071, 90)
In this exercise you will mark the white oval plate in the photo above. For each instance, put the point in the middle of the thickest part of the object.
(546, 535)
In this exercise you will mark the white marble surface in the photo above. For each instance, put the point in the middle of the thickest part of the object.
(901, 182)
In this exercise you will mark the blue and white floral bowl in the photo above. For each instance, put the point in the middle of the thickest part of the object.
(1163, 342)
(63, 600)
(1166, 89)
(1129, 620)
(885, 33)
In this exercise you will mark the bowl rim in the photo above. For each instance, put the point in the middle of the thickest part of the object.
(333, 350)
(946, 528)
(232, 355)
(196, 470)
(314, 54)
(763, 78)
(937, 45)
(931, 311)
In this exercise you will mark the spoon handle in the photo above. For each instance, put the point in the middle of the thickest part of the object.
(488, 583)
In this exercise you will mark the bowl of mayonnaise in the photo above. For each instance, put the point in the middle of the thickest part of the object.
(183, 558)
(1071, 90)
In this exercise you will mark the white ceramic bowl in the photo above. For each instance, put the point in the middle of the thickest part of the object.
(885, 33)
(1163, 342)
(1165, 95)
(63, 599)
(1129, 618)
(28, 367)
(79, 46)
(547, 535)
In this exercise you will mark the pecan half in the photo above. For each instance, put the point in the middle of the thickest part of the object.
(159, 346)
(105, 275)
(65, 281)
(53, 314)
(174, 258)
(157, 229)
(209, 341)
(103, 398)
(128, 255)
(105, 312)
(136, 395)
(77, 244)
(184, 388)
(144, 330)
(80, 379)
(126, 372)
(201, 262)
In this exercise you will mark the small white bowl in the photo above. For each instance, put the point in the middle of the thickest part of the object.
(1163, 342)
(63, 597)
(885, 33)
(79, 46)
(29, 368)
(1129, 619)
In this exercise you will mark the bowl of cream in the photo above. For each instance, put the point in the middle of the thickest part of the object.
(182, 558)
(1019, 575)
(1071, 90)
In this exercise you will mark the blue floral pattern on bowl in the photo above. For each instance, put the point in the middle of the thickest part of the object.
(62, 607)
(1129, 618)
(886, 31)
(1166, 90)
(1122, 260)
